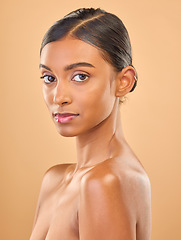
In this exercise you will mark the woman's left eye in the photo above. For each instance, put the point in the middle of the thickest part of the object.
(80, 77)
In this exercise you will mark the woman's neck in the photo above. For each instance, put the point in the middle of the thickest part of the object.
(101, 143)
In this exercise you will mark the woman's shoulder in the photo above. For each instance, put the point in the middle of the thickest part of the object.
(116, 194)
(57, 170)
(120, 193)
(52, 178)
(117, 170)
(128, 179)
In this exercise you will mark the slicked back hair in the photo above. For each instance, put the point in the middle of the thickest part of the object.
(101, 29)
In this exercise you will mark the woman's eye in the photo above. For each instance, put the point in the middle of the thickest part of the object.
(80, 77)
(48, 78)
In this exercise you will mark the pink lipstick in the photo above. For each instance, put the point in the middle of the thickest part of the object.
(64, 117)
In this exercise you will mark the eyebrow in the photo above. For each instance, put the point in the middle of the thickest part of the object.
(79, 64)
(71, 66)
(44, 66)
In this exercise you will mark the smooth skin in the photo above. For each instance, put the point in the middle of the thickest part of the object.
(106, 194)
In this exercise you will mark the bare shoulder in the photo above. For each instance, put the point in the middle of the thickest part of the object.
(122, 175)
(56, 172)
(52, 178)
(118, 194)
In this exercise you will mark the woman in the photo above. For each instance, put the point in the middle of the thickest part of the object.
(86, 67)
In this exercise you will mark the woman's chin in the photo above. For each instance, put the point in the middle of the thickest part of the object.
(65, 132)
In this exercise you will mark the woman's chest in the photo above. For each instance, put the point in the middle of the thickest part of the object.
(58, 214)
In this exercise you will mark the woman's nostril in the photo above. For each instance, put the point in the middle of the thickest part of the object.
(64, 103)
(61, 100)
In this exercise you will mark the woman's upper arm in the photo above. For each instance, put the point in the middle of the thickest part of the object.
(106, 211)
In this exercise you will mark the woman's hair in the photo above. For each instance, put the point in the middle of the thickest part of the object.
(103, 30)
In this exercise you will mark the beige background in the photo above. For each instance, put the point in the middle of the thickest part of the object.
(151, 115)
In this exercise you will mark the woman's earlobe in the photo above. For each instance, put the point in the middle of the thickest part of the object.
(126, 81)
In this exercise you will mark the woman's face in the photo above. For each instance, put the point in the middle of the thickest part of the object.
(78, 86)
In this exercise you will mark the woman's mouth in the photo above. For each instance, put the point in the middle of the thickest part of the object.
(64, 117)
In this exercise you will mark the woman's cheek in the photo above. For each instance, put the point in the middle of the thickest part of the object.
(48, 97)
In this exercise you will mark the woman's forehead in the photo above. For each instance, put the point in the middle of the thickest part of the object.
(70, 50)
(70, 47)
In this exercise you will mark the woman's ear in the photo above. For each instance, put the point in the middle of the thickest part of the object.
(125, 81)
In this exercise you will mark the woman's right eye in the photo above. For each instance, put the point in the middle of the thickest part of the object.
(48, 78)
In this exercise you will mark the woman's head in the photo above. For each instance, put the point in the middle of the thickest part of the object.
(103, 30)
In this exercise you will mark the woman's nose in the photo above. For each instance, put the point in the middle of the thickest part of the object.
(62, 94)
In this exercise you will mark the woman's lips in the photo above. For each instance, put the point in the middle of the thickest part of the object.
(64, 117)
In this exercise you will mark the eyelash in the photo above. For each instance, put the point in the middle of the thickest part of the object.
(80, 74)
(47, 76)
(48, 81)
